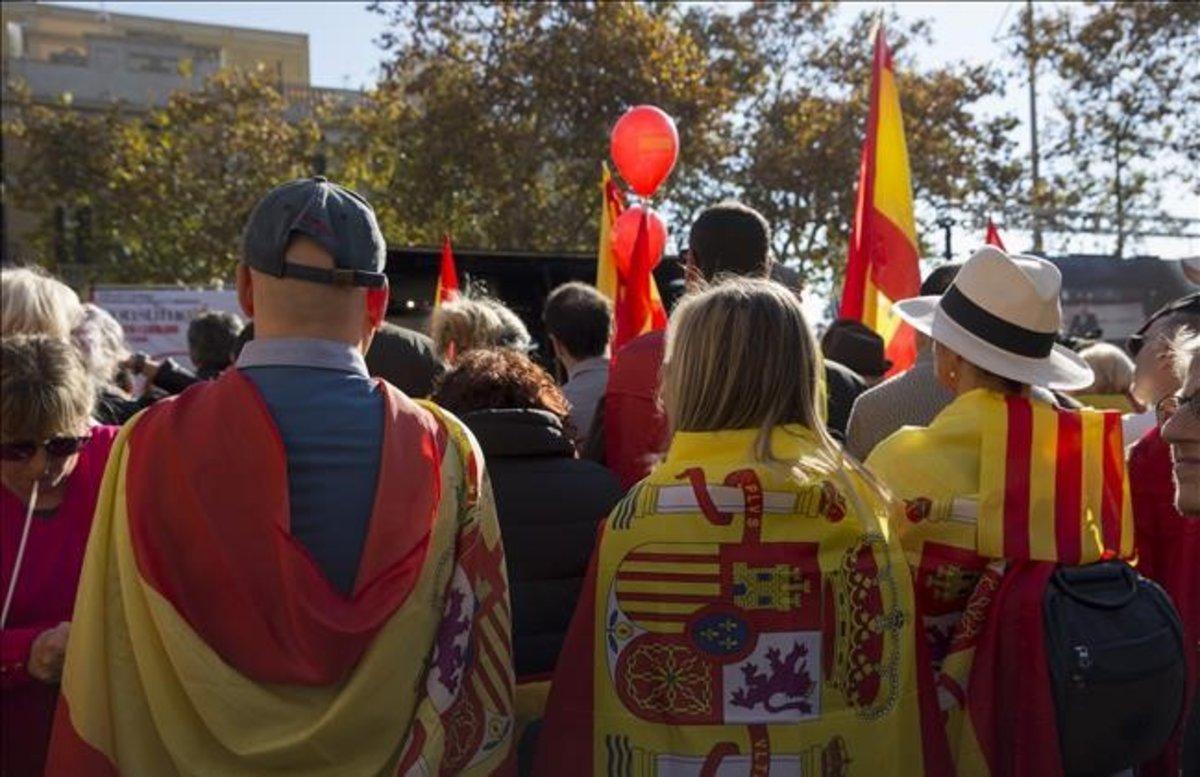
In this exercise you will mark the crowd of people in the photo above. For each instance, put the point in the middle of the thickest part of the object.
(340, 546)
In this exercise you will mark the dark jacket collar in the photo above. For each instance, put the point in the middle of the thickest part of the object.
(512, 432)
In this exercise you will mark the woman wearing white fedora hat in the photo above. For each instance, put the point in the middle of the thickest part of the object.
(999, 481)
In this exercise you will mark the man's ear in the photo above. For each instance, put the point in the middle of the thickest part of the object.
(245, 290)
(377, 305)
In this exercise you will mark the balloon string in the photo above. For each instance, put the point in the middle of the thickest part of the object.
(12, 583)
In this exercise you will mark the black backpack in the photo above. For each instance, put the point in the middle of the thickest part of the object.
(1115, 647)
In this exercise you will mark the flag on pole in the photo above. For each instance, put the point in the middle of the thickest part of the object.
(631, 305)
(882, 265)
(993, 235)
(447, 285)
(632, 313)
(612, 204)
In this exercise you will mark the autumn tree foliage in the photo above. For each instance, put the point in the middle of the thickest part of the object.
(164, 195)
(491, 121)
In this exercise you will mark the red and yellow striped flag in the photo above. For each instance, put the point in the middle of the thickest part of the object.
(447, 285)
(612, 204)
(882, 264)
(608, 280)
(998, 490)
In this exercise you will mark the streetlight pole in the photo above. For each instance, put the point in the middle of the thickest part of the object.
(1035, 193)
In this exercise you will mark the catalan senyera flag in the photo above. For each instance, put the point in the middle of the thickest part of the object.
(740, 618)
(608, 281)
(447, 285)
(992, 237)
(998, 490)
(882, 264)
(206, 640)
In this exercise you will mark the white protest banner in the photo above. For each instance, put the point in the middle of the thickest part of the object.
(156, 318)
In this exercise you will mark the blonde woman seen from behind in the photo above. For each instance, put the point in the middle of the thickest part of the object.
(747, 585)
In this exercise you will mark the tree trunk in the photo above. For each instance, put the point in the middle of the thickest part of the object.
(1119, 192)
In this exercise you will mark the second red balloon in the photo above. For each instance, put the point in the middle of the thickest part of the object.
(624, 237)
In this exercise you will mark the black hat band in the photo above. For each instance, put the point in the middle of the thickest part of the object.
(991, 328)
(335, 277)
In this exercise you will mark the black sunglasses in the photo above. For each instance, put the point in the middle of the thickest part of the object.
(57, 448)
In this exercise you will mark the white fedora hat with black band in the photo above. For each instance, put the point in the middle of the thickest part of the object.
(1002, 313)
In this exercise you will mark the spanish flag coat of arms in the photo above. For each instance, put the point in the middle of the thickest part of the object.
(997, 491)
(206, 641)
(743, 617)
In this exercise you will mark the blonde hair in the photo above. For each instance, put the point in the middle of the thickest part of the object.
(32, 302)
(1111, 367)
(467, 323)
(741, 355)
(44, 388)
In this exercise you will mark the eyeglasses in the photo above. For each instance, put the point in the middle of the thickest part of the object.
(56, 448)
(1169, 406)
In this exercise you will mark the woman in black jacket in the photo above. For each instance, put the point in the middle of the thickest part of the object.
(549, 502)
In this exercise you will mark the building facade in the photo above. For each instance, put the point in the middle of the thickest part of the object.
(93, 59)
(98, 57)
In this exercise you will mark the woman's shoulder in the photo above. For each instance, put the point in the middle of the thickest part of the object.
(899, 445)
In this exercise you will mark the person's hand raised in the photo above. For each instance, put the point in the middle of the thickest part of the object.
(47, 654)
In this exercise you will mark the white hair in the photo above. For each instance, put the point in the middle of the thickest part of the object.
(513, 333)
(1184, 348)
(100, 340)
(33, 303)
(1112, 369)
(480, 322)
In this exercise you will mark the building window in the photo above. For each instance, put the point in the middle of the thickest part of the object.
(143, 62)
(70, 56)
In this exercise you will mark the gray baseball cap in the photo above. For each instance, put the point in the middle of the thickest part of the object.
(338, 219)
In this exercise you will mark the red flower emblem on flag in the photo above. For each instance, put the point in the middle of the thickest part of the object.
(667, 682)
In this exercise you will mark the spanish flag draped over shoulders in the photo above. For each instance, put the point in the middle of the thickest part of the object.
(998, 490)
(742, 617)
(207, 641)
(882, 267)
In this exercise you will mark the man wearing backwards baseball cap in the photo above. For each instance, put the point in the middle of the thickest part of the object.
(980, 486)
(280, 555)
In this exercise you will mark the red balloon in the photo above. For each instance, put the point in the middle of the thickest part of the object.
(644, 147)
(624, 237)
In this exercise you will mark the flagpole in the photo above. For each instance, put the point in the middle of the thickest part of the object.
(1035, 199)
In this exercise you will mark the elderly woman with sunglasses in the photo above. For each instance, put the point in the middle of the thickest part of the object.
(51, 463)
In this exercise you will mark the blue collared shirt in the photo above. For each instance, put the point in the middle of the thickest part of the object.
(585, 386)
(330, 418)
